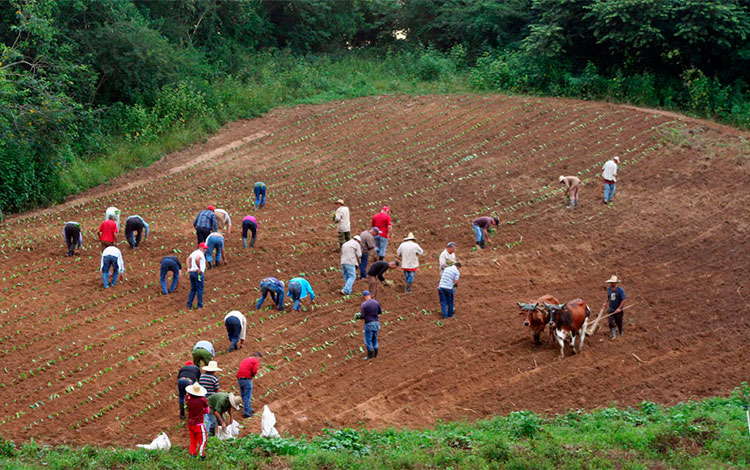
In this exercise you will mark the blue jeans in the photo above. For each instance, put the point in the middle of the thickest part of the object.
(277, 295)
(202, 233)
(196, 287)
(363, 266)
(295, 292)
(110, 261)
(349, 271)
(478, 233)
(246, 390)
(181, 385)
(609, 191)
(409, 276)
(209, 421)
(214, 243)
(371, 335)
(446, 301)
(234, 328)
(381, 244)
(260, 196)
(167, 266)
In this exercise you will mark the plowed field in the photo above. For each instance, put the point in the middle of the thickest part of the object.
(81, 364)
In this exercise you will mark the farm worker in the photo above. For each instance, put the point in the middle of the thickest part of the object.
(215, 242)
(223, 220)
(341, 217)
(351, 253)
(369, 312)
(205, 223)
(609, 175)
(249, 223)
(188, 375)
(616, 300)
(481, 225)
(382, 221)
(196, 266)
(72, 236)
(245, 375)
(135, 223)
(367, 243)
(210, 382)
(107, 232)
(236, 325)
(571, 183)
(203, 352)
(259, 189)
(409, 252)
(221, 403)
(298, 289)
(375, 275)
(111, 258)
(448, 282)
(198, 408)
(271, 285)
(114, 214)
(169, 263)
(448, 256)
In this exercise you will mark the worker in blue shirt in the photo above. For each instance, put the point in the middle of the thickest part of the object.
(616, 304)
(271, 285)
(298, 289)
(205, 223)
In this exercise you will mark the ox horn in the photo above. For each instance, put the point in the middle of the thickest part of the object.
(519, 304)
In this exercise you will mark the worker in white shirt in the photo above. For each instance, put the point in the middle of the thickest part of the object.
(111, 259)
(196, 266)
(609, 175)
(223, 220)
(236, 325)
(448, 256)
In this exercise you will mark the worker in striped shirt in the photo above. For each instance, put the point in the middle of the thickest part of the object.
(448, 281)
(210, 382)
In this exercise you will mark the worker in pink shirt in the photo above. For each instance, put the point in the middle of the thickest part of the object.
(249, 223)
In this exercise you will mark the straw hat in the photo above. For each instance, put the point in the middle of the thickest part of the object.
(196, 390)
(410, 237)
(340, 201)
(211, 367)
(235, 401)
(613, 279)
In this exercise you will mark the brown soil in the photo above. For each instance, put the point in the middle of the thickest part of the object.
(87, 365)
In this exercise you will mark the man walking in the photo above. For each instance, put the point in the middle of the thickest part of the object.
(298, 289)
(448, 256)
(375, 275)
(367, 243)
(223, 221)
(203, 353)
(188, 375)
(571, 184)
(249, 223)
(448, 282)
(111, 259)
(245, 375)
(236, 325)
(351, 253)
(341, 217)
(616, 301)
(108, 232)
(169, 263)
(259, 189)
(481, 225)
(215, 243)
(72, 236)
(205, 223)
(369, 311)
(135, 223)
(409, 252)
(382, 221)
(196, 266)
(609, 175)
(271, 285)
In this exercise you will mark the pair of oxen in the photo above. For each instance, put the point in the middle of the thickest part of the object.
(565, 320)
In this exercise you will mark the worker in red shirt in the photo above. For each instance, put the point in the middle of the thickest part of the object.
(108, 231)
(382, 220)
(197, 408)
(245, 375)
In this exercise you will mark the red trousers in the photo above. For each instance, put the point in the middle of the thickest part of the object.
(198, 438)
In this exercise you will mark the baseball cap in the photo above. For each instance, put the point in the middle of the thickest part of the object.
(451, 244)
(386, 208)
(211, 208)
(202, 245)
(366, 293)
(377, 230)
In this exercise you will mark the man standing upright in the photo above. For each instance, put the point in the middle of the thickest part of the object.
(367, 243)
(448, 282)
(369, 311)
(616, 301)
(382, 220)
(259, 189)
(111, 258)
(108, 232)
(135, 223)
(275, 287)
(72, 236)
(409, 252)
(245, 375)
(351, 253)
(196, 266)
(448, 256)
(609, 175)
(205, 223)
(169, 263)
(341, 217)
(481, 225)
(571, 184)
(223, 221)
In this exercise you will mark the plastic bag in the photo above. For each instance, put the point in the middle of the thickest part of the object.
(161, 442)
(268, 423)
(229, 432)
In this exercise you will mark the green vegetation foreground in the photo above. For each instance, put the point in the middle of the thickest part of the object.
(709, 434)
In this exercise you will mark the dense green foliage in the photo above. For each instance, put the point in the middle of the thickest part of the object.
(90, 88)
(694, 435)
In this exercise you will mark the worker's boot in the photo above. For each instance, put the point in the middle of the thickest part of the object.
(408, 287)
(244, 242)
(252, 242)
(381, 258)
(208, 265)
(369, 355)
(613, 332)
(375, 353)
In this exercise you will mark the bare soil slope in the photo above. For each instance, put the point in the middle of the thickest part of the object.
(87, 365)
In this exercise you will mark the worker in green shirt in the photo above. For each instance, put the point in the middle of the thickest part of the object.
(220, 403)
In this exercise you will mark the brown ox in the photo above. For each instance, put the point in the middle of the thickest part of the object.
(535, 317)
(572, 318)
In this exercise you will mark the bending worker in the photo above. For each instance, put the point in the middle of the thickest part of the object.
(271, 285)
(72, 236)
(135, 223)
(298, 289)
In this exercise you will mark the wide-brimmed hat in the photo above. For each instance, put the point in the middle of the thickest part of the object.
(196, 390)
(340, 201)
(560, 179)
(235, 401)
(211, 367)
(613, 279)
(410, 237)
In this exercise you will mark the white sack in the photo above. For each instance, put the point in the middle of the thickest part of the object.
(268, 423)
(161, 442)
(229, 432)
